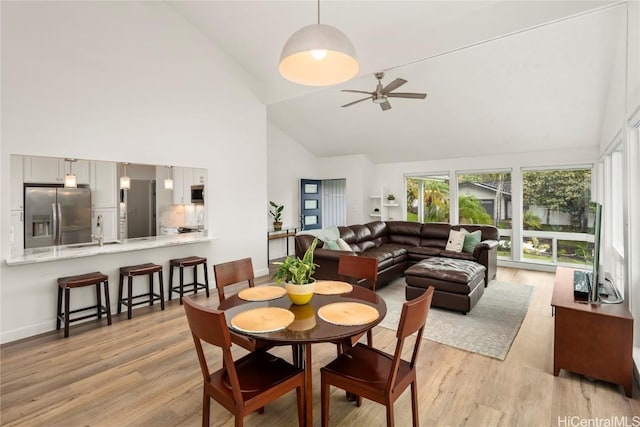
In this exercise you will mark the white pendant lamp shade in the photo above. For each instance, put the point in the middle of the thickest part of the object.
(70, 181)
(125, 182)
(318, 55)
(168, 184)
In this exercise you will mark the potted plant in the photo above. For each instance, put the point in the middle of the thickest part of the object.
(297, 274)
(276, 213)
(391, 198)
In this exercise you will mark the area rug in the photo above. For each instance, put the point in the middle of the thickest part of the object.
(488, 329)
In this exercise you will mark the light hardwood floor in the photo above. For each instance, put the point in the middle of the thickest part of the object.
(144, 372)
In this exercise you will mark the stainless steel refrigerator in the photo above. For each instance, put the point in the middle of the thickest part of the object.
(56, 216)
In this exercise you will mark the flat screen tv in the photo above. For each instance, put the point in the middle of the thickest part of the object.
(602, 288)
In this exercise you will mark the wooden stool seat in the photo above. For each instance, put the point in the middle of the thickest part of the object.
(130, 272)
(181, 263)
(65, 284)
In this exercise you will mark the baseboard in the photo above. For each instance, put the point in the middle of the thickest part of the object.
(27, 331)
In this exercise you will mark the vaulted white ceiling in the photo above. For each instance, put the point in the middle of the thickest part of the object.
(501, 76)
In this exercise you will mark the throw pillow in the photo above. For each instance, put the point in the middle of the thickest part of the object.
(332, 244)
(455, 241)
(470, 240)
(344, 246)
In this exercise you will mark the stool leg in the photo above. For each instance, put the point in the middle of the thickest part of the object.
(206, 280)
(107, 304)
(195, 279)
(181, 283)
(59, 312)
(151, 289)
(130, 289)
(98, 300)
(66, 312)
(120, 293)
(170, 281)
(161, 290)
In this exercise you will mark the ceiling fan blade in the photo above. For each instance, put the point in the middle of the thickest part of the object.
(356, 91)
(355, 102)
(393, 85)
(385, 106)
(407, 95)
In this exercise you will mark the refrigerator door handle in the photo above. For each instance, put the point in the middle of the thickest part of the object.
(59, 223)
(54, 209)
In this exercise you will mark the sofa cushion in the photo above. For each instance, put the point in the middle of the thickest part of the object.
(404, 232)
(396, 250)
(449, 270)
(458, 255)
(455, 242)
(385, 258)
(425, 251)
(471, 239)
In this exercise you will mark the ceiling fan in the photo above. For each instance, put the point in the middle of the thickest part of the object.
(381, 94)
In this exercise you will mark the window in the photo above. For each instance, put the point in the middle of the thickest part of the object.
(428, 198)
(485, 198)
(555, 216)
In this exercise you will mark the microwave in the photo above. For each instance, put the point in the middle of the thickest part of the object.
(197, 194)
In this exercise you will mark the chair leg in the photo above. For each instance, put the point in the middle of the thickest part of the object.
(120, 293)
(129, 296)
(161, 290)
(370, 338)
(150, 289)
(206, 280)
(170, 281)
(59, 313)
(66, 312)
(324, 401)
(205, 408)
(181, 283)
(390, 422)
(300, 399)
(195, 279)
(98, 301)
(414, 404)
(107, 303)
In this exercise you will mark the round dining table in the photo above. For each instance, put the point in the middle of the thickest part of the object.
(307, 328)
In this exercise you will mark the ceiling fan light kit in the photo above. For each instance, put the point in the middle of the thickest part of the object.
(318, 55)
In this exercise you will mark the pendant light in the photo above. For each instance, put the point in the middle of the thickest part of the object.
(70, 180)
(125, 181)
(168, 183)
(318, 55)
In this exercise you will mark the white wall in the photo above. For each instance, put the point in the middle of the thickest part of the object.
(126, 81)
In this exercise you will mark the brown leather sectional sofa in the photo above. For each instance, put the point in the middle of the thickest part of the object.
(400, 244)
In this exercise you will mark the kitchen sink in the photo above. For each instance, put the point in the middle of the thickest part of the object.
(92, 244)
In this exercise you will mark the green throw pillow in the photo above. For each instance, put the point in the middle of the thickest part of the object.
(332, 244)
(470, 240)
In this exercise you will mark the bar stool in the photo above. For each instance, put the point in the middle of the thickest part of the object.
(139, 270)
(192, 261)
(67, 283)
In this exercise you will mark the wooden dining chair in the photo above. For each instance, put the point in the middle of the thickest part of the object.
(375, 375)
(241, 386)
(360, 271)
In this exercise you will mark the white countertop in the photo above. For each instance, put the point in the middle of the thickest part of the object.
(54, 253)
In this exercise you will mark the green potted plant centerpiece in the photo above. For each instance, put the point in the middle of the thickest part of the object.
(297, 275)
(391, 198)
(276, 213)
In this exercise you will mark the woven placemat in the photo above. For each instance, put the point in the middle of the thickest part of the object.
(263, 319)
(331, 287)
(262, 293)
(348, 313)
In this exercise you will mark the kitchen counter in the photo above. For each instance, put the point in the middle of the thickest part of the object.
(55, 253)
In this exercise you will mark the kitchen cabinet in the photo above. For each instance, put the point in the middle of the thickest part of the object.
(182, 182)
(199, 176)
(109, 223)
(17, 183)
(49, 170)
(104, 184)
(16, 232)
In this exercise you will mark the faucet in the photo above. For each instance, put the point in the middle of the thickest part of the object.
(99, 229)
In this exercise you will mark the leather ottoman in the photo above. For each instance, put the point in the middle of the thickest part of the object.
(458, 284)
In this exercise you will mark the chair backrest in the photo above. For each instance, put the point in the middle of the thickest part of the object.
(359, 268)
(413, 318)
(232, 272)
(210, 325)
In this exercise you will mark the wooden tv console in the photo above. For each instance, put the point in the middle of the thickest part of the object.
(594, 340)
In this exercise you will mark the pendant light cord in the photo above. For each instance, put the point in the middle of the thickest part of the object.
(318, 12)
